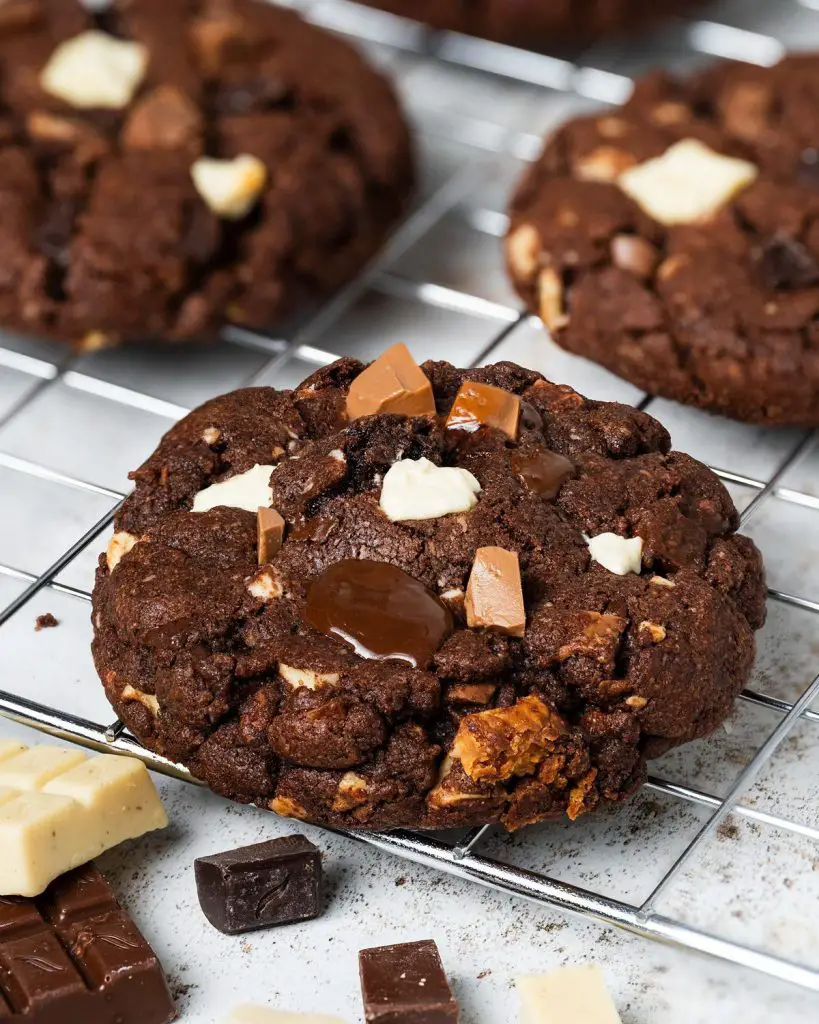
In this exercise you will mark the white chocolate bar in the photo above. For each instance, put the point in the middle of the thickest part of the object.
(262, 1015)
(570, 995)
(60, 808)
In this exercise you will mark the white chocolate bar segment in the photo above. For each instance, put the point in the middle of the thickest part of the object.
(570, 995)
(8, 748)
(262, 1015)
(60, 808)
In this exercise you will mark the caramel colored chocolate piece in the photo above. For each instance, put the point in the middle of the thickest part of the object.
(393, 383)
(482, 405)
(494, 594)
(270, 532)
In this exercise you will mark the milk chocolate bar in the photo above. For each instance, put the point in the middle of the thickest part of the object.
(406, 984)
(277, 882)
(73, 956)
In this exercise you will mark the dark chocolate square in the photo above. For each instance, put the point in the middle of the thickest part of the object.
(272, 883)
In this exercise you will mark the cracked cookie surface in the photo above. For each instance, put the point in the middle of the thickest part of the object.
(209, 659)
(713, 305)
(105, 231)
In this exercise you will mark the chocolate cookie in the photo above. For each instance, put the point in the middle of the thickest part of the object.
(168, 166)
(493, 612)
(676, 240)
(536, 23)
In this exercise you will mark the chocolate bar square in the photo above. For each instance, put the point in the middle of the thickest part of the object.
(73, 955)
(406, 984)
(272, 883)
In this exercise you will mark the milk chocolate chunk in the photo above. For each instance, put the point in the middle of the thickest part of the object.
(483, 405)
(494, 594)
(270, 533)
(272, 883)
(393, 383)
(73, 955)
(379, 610)
(406, 984)
(543, 471)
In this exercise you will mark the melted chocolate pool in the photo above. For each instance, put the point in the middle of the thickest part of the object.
(379, 610)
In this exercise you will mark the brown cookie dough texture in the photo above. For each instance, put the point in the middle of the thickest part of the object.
(209, 658)
(692, 276)
(231, 163)
(537, 23)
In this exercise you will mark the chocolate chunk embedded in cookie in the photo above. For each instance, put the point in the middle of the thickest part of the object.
(675, 240)
(165, 168)
(452, 626)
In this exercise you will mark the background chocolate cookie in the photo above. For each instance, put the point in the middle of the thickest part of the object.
(167, 166)
(675, 240)
(538, 23)
(498, 612)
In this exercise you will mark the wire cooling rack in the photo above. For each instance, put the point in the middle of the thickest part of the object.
(728, 859)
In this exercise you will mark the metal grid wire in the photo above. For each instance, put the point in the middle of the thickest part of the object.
(71, 425)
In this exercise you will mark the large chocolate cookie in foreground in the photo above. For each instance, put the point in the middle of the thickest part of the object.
(496, 611)
(675, 241)
(168, 166)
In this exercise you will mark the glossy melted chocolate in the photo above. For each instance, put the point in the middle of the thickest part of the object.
(542, 471)
(379, 610)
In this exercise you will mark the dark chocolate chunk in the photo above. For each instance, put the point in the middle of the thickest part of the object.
(277, 882)
(72, 955)
(787, 265)
(406, 984)
(380, 610)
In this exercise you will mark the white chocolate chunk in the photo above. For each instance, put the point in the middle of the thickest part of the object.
(10, 748)
(60, 808)
(620, 555)
(118, 547)
(249, 491)
(570, 995)
(688, 184)
(418, 489)
(265, 585)
(306, 678)
(229, 187)
(262, 1015)
(95, 70)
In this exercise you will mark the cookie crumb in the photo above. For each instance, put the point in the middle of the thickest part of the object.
(47, 621)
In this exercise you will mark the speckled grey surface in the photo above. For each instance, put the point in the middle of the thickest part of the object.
(70, 430)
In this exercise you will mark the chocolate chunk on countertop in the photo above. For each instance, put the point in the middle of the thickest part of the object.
(73, 955)
(271, 883)
(406, 984)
